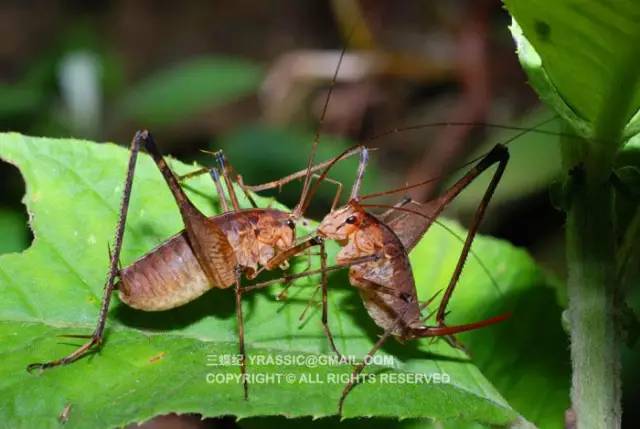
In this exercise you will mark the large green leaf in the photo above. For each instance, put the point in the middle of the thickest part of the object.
(582, 59)
(187, 89)
(154, 363)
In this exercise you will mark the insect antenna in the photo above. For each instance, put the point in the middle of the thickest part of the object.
(475, 124)
(521, 132)
(360, 148)
(316, 140)
(305, 195)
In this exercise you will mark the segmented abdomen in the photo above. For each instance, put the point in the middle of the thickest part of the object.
(166, 277)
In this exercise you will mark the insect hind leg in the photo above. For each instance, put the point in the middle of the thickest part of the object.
(96, 338)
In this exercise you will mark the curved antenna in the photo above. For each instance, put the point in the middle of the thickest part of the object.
(484, 268)
(304, 195)
(355, 149)
(475, 124)
(302, 208)
(466, 164)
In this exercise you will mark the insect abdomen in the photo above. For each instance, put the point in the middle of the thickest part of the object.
(166, 277)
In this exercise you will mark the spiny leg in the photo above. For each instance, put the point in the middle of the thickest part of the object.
(306, 174)
(221, 159)
(98, 333)
(215, 176)
(500, 155)
(310, 303)
(282, 295)
(411, 230)
(360, 367)
(226, 171)
(240, 321)
(325, 307)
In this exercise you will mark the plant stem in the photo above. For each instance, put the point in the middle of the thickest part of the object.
(592, 289)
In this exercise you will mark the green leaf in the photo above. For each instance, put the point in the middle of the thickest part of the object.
(520, 361)
(189, 88)
(155, 363)
(581, 58)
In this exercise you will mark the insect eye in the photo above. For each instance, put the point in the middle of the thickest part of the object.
(351, 220)
(291, 224)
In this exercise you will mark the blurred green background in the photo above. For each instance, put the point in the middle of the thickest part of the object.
(251, 78)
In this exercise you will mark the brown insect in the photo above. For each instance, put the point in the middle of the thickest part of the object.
(376, 250)
(215, 252)
(386, 285)
(211, 252)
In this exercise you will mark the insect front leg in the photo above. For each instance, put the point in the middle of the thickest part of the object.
(240, 322)
(98, 334)
(286, 255)
(353, 380)
(325, 304)
(291, 277)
